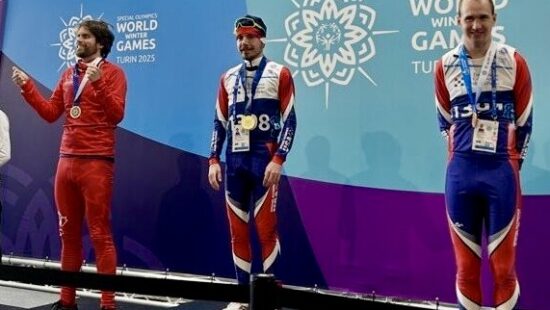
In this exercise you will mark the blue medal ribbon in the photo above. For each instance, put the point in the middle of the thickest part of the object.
(76, 85)
(77, 81)
(494, 88)
(465, 68)
(242, 77)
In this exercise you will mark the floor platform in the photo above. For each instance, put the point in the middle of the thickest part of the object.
(19, 299)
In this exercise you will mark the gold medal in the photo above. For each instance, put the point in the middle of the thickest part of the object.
(249, 122)
(75, 112)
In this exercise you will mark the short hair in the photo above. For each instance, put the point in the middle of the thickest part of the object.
(103, 35)
(490, 1)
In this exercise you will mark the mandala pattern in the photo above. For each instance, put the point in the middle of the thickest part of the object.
(67, 39)
(328, 43)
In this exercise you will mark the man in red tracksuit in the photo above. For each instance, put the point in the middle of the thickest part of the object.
(91, 96)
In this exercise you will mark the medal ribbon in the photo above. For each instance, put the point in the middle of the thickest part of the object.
(490, 57)
(255, 81)
(78, 86)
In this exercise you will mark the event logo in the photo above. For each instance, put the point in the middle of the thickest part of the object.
(67, 39)
(329, 41)
(137, 42)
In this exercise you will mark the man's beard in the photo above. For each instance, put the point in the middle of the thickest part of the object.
(249, 54)
(85, 52)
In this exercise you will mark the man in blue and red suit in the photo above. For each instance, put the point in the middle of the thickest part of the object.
(484, 102)
(91, 96)
(255, 114)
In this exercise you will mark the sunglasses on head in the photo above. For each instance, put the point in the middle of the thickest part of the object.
(247, 22)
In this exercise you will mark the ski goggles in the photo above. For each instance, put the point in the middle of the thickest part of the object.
(248, 22)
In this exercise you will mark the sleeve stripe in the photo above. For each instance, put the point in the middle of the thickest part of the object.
(289, 107)
(443, 112)
(526, 113)
(221, 117)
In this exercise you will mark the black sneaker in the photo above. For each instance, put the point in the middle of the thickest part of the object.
(58, 306)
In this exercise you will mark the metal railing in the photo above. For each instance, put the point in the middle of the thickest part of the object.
(166, 289)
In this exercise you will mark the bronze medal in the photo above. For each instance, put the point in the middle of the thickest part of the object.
(75, 112)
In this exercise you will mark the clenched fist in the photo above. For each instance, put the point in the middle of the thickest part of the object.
(93, 72)
(19, 77)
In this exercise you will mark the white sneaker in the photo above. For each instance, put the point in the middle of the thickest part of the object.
(236, 306)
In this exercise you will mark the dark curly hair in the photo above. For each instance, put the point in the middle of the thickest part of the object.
(103, 35)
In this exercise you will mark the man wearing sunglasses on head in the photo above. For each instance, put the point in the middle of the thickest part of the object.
(255, 100)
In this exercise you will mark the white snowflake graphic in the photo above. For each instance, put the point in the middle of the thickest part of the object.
(329, 41)
(67, 38)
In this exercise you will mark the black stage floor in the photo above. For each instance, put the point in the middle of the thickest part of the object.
(19, 299)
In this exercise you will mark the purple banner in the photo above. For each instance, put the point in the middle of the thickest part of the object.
(397, 243)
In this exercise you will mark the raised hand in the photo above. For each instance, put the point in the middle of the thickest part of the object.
(93, 72)
(18, 77)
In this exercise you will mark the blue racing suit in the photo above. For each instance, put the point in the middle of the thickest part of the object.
(482, 183)
(264, 92)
